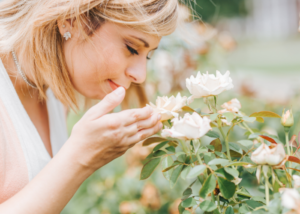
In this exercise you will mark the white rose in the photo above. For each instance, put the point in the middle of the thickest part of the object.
(168, 107)
(189, 127)
(208, 84)
(290, 199)
(263, 155)
(296, 179)
(233, 105)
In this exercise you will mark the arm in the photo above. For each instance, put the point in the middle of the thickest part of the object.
(96, 139)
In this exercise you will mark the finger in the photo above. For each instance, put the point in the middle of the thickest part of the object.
(142, 134)
(133, 115)
(142, 124)
(109, 102)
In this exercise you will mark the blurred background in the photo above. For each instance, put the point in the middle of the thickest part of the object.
(256, 40)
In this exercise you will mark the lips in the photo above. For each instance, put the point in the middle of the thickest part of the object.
(113, 85)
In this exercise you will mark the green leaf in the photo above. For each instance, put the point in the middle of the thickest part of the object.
(153, 139)
(171, 149)
(197, 170)
(213, 117)
(182, 158)
(175, 174)
(148, 168)
(208, 186)
(237, 164)
(167, 162)
(246, 143)
(232, 172)
(186, 193)
(253, 204)
(229, 116)
(220, 154)
(265, 114)
(248, 119)
(235, 147)
(185, 172)
(208, 206)
(210, 147)
(181, 209)
(260, 119)
(229, 210)
(190, 202)
(217, 144)
(227, 188)
(244, 209)
(159, 153)
(186, 212)
(218, 161)
(159, 146)
(212, 134)
(171, 167)
(173, 143)
(222, 172)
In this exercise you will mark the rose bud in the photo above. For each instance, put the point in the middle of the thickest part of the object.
(287, 119)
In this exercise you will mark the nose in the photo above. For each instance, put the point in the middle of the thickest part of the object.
(137, 71)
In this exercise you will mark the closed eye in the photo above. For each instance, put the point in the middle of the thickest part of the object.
(131, 50)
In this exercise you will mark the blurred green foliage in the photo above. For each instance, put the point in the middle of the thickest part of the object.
(213, 10)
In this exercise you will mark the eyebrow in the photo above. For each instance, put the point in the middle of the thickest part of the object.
(146, 44)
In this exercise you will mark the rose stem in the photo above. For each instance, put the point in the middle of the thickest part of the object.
(287, 142)
(267, 190)
(190, 151)
(219, 205)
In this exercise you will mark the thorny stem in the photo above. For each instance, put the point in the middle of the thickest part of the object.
(247, 127)
(287, 142)
(184, 148)
(267, 190)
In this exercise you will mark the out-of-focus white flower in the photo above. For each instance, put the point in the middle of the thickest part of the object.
(191, 126)
(233, 105)
(263, 155)
(168, 107)
(290, 199)
(236, 180)
(204, 85)
(296, 179)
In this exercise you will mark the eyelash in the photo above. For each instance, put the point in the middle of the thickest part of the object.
(134, 52)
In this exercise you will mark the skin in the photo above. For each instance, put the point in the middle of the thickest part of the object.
(92, 70)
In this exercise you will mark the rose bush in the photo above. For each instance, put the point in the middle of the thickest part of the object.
(196, 146)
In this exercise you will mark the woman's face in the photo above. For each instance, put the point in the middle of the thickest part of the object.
(116, 57)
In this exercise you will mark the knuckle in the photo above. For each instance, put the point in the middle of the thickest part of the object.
(111, 100)
(113, 124)
(134, 115)
(143, 135)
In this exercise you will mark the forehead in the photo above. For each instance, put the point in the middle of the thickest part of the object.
(119, 30)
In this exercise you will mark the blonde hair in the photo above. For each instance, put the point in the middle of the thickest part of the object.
(30, 28)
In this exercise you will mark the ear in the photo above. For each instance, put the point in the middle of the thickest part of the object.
(65, 26)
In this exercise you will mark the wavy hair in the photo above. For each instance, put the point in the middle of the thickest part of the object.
(30, 28)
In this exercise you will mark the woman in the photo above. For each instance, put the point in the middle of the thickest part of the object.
(49, 50)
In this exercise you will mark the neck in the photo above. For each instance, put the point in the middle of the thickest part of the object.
(22, 88)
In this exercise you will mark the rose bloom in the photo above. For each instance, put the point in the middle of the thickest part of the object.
(296, 179)
(204, 85)
(233, 105)
(191, 126)
(263, 155)
(290, 199)
(168, 107)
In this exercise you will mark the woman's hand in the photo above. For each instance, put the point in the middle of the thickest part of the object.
(99, 137)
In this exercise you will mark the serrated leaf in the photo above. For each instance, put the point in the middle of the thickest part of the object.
(195, 171)
(165, 163)
(159, 153)
(186, 193)
(171, 167)
(181, 158)
(185, 172)
(235, 147)
(222, 172)
(265, 114)
(220, 154)
(149, 167)
(208, 206)
(208, 186)
(232, 172)
(227, 188)
(244, 209)
(253, 204)
(246, 143)
(175, 174)
(229, 210)
(212, 134)
(159, 146)
(217, 145)
(152, 140)
(218, 161)
(189, 202)
(171, 149)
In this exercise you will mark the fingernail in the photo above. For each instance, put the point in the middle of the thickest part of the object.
(158, 117)
(119, 91)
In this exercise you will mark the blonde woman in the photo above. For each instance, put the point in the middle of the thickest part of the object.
(49, 50)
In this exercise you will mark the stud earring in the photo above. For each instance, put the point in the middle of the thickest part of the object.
(64, 26)
(67, 36)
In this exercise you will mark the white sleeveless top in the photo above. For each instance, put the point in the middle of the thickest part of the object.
(20, 141)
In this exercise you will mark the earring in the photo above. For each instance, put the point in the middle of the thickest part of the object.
(64, 26)
(67, 36)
